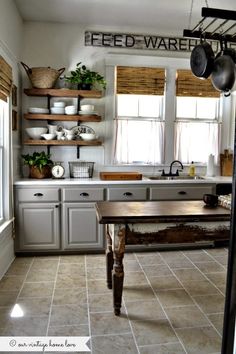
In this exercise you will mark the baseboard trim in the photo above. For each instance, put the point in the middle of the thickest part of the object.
(7, 254)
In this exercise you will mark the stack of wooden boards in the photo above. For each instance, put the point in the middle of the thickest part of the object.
(120, 176)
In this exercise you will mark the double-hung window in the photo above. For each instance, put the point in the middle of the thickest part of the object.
(139, 126)
(197, 123)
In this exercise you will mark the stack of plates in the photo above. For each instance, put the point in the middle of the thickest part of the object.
(88, 113)
(38, 110)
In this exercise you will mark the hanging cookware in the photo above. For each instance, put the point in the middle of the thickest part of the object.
(202, 60)
(223, 74)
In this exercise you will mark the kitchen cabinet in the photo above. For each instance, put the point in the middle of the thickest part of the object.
(181, 192)
(128, 193)
(80, 228)
(49, 93)
(37, 219)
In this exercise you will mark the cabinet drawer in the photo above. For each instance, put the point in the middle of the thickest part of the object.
(82, 194)
(179, 193)
(38, 194)
(122, 194)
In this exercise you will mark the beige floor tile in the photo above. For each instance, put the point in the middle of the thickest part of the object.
(31, 326)
(186, 316)
(40, 289)
(101, 303)
(179, 263)
(217, 320)
(138, 292)
(69, 281)
(199, 257)
(4, 316)
(216, 252)
(42, 264)
(200, 340)
(70, 331)
(37, 274)
(108, 323)
(144, 310)
(98, 287)
(210, 303)
(72, 269)
(153, 332)
(133, 278)
(223, 260)
(185, 275)
(129, 255)
(200, 288)
(173, 298)
(164, 283)
(11, 283)
(219, 279)
(72, 259)
(171, 255)
(96, 273)
(70, 296)
(35, 306)
(23, 260)
(172, 348)
(69, 315)
(157, 270)
(114, 344)
(132, 266)
(18, 269)
(96, 262)
(8, 298)
(209, 267)
(147, 259)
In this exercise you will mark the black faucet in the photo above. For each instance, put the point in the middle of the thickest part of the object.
(171, 174)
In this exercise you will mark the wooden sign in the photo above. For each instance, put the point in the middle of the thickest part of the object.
(143, 41)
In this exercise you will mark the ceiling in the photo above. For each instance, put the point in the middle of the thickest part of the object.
(164, 16)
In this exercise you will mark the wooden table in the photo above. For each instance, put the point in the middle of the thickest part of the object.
(155, 222)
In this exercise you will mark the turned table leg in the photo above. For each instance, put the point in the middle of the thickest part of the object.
(118, 269)
(109, 258)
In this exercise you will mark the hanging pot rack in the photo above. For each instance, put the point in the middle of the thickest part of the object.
(218, 22)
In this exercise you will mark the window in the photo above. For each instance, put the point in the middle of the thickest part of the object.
(3, 112)
(197, 124)
(139, 122)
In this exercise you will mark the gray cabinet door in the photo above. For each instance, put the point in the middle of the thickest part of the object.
(38, 225)
(80, 227)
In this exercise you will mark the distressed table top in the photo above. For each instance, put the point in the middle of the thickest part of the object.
(159, 211)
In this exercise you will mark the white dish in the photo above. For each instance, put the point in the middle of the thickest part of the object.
(36, 132)
(80, 129)
(87, 136)
(38, 110)
(59, 104)
(48, 136)
(88, 113)
(57, 110)
(87, 107)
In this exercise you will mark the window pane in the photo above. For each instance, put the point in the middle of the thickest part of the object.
(185, 107)
(149, 106)
(127, 105)
(207, 107)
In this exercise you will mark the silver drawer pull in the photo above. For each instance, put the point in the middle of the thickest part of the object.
(127, 194)
(38, 194)
(182, 192)
(84, 194)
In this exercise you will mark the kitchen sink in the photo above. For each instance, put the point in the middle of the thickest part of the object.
(174, 177)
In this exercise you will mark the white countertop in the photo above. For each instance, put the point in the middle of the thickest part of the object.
(98, 181)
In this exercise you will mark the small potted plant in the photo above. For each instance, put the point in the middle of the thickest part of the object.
(85, 78)
(39, 164)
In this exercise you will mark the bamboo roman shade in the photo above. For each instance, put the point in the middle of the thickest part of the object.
(140, 80)
(5, 79)
(189, 85)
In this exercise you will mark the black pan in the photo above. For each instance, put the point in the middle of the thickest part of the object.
(202, 60)
(223, 74)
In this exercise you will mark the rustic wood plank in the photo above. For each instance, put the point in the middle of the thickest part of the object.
(63, 142)
(63, 93)
(63, 117)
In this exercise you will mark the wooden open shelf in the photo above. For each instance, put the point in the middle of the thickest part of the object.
(63, 117)
(63, 142)
(63, 93)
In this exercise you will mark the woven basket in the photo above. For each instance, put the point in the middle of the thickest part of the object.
(42, 77)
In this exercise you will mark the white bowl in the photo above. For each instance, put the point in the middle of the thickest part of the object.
(59, 104)
(88, 136)
(87, 107)
(36, 132)
(38, 110)
(48, 136)
(57, 110)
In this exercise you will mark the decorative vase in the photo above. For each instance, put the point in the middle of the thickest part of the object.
(35, 172)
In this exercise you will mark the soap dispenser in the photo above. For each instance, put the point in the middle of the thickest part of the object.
(191, 170)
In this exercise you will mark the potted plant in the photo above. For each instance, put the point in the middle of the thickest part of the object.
(85, 78)
(39, 164)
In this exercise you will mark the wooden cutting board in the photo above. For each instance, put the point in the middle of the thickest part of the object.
(226, 163)
(120, 176)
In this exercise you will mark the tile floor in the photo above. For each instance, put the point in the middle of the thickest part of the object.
(173, 301)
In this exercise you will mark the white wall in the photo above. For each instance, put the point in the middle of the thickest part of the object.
(11, 33)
